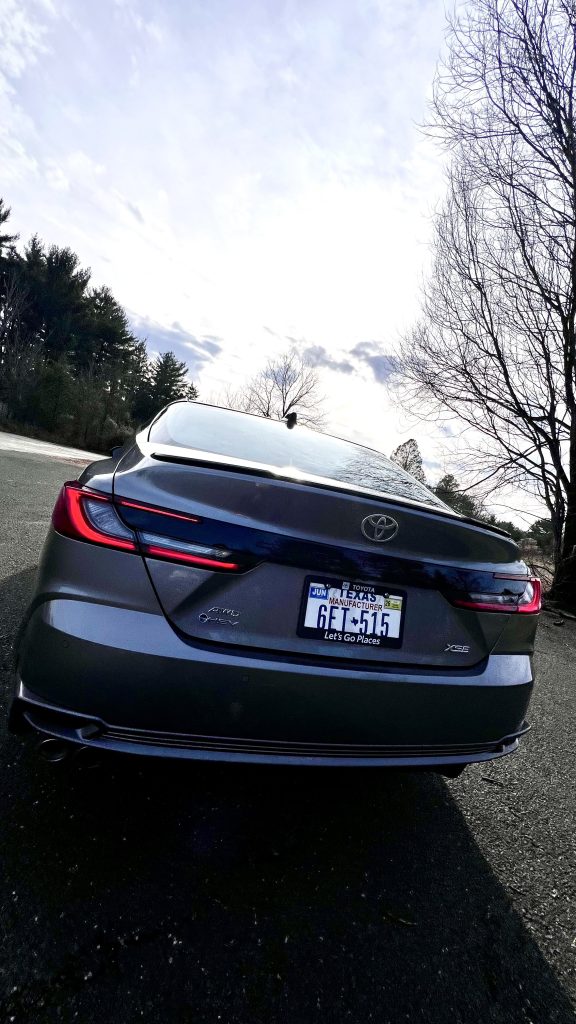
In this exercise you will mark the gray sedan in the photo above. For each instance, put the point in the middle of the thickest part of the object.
(233, 588)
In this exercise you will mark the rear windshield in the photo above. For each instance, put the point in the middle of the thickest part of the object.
(270, 443)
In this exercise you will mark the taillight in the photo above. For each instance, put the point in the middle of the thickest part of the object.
(89, 516)
(157, 511)
(528, 600)
(181, 551)
(531, 600)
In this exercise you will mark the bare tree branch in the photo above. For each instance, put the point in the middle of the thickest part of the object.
(496, 346)
(285, 385)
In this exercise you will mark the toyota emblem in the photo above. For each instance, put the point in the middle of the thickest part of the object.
(379, 528)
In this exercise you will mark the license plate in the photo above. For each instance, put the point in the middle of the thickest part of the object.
(342, 611)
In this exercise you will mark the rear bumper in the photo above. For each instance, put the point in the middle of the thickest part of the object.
(123, 680)
(91, 732)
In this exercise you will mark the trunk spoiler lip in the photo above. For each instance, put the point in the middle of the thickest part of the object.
(208, 460)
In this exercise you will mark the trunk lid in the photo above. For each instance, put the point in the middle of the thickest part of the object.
(296, 533)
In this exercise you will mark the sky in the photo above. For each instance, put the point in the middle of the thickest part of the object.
(246, 175)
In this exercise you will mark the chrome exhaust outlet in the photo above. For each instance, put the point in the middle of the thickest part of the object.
(59, 751)
(84, 758)
(54, 750)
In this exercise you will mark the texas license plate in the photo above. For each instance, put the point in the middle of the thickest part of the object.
(341, 611)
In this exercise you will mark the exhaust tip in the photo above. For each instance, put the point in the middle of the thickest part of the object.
(54, 750)
(85, 758)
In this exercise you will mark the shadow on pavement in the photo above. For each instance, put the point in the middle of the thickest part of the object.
(15, 594)
(168, 892)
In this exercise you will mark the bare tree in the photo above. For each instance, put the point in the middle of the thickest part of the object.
(285, 385)
(496, 346)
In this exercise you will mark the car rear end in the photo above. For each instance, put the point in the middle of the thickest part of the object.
(230, 589)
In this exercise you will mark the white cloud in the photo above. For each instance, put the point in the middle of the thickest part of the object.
(22, 38)
(230, 166)
(22, 44)
(56, 177)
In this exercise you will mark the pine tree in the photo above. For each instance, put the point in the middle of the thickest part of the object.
(167, 381)
(56, 306)
(408, 456)
(6, 241)
(106, 337)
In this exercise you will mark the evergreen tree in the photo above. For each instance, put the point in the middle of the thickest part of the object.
(502, 524)
(136, 373)
(541, 531)
(106, 338)
(109, 348)
(448, 490)
(69, 361)
(52, 395)
(63, 306)
(56, 305)
(167, 381)
(408, 456)
(6, 241)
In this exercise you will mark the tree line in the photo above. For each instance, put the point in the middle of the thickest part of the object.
(71, 368)
(539, 536)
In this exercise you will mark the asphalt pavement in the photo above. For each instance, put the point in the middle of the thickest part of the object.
(138, 891)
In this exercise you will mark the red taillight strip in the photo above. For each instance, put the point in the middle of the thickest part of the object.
(485, 606)
(154, 551)
(532, 607)
(123, 502)
(69, 519)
